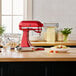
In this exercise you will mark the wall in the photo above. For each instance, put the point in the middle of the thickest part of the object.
(29, 9)
(0, 12)
(56, 11)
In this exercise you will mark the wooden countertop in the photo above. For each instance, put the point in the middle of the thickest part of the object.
(44, 43)
(12, 56)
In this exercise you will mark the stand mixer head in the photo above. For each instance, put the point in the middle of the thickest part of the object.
(27, 26)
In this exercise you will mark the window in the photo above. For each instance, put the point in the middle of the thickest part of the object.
(13, 11)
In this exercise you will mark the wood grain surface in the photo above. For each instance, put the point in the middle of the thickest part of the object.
(14, 56)
(44, 43)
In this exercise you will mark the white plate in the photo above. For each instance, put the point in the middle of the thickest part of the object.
(61, 49)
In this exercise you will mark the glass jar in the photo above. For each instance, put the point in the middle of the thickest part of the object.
(60, 36)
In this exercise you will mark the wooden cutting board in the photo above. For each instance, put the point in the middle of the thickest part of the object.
(44, 43)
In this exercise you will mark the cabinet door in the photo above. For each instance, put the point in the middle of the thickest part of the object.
(26, 69)
(62, 69)
(4, 69)
(1, 70)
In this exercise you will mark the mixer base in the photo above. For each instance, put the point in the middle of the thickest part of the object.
(30, 49)
(25, 49)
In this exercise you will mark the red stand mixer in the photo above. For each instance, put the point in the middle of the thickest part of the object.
(27, 26)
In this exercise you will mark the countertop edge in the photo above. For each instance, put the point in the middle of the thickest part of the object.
(35, 59)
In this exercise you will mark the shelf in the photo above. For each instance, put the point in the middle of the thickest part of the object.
(44, 43)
